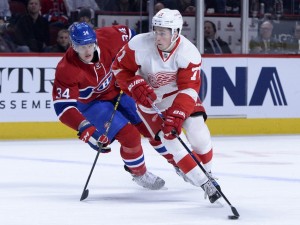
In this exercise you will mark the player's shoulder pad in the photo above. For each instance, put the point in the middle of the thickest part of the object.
(141, 41)
(67, 68)
(114, 31)
(124, 30)
(188, 52)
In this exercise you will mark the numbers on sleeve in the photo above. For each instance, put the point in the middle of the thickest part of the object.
(195, 70)
(62, 93)
(125, 37)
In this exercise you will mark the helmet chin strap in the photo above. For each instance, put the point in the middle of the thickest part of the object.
(96, 54)
(173, 42)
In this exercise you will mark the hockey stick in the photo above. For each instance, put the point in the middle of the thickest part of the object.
(235, 215)
(85, 192)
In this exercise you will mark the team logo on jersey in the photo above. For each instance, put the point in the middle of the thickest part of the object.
(102, 86)
(165, 55)
(104, 83)
(97, 65)
(161, 79)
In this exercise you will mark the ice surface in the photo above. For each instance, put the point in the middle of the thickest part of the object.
(41, 183)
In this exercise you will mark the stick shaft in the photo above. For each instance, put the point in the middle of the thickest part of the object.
(192, 155)
(100, 147)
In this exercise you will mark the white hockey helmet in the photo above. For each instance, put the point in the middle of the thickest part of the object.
(168, 18)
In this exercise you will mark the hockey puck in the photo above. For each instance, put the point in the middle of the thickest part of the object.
(233, 217)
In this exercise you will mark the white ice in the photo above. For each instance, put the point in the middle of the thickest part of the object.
(41, 183)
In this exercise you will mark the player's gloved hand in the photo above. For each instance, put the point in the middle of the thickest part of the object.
(89, 134)
(174, 119)
(141, 91)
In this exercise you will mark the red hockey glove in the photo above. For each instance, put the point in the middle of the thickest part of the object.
(86, 131)
(89, 134)
(173, 122)
(140, 91)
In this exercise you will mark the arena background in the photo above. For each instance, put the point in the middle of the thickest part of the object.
(243, 95)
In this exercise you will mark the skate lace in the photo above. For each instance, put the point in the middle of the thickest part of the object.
(213, 181)
(209, 189)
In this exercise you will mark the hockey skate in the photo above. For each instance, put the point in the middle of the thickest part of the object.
(183, 175)
(211, 191)
(214, 182)
(148, 180)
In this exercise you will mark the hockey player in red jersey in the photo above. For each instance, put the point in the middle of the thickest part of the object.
(85, 91)
(165, 67)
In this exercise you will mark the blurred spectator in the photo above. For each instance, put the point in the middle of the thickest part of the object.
(62, 42)
(17, 9)
(4, 9)
(268, 6)
(274, 7)
(293, 6)
(50, 6)
(32, 29)
(25, 2)
(183, 6)
(103, 4)
(212, 44)
(6, 43)
(106, 5)
(292, 45)
(124, 6)
(4, 46)
(220, 6)
(158, 6)
(233, 6)
(74, 5)
(3, 25)
(85, 15)
(265, 42)
(55, 12)
(141, 4)
(215, 6)
(143, 26)
(190, 9)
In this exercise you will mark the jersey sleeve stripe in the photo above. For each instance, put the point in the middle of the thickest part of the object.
(190, 92)
(61, 107)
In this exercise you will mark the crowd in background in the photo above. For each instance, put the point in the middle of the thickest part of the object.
(42, 25)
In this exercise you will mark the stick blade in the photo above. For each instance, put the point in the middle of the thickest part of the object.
(235, 215)
(85, 194)
(234, 211)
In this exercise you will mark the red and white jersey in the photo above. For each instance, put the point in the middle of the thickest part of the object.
(77, 81)
(171, 74)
